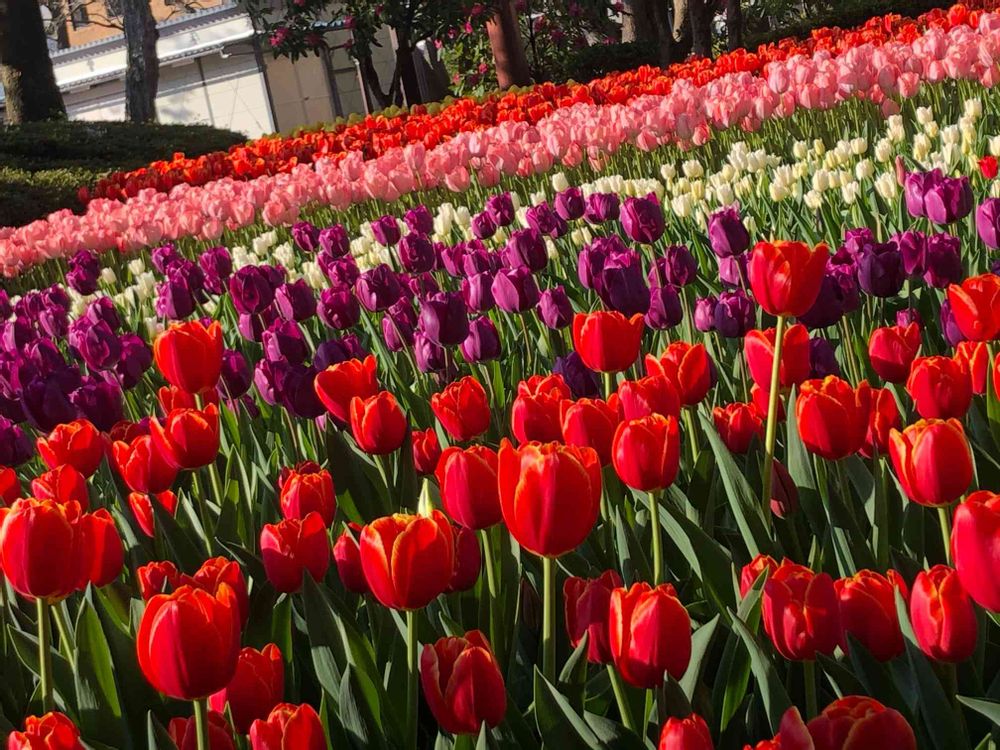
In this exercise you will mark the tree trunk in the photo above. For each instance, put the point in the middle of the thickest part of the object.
(681, 32)
(142, 73)
(369, 76)
(663, 33)
(638, 20)
(734, 24)
(701, 27)
(508, 49)
(30, 88)
(406, 67)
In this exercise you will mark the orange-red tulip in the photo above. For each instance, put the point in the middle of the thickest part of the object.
(832, 417)
(653, 394)
(184, 732)
(892, 350)
(857, 722)
(378, 424)
(975, 304)
(77, 443)
(883, 418)
(292, 547)
(256, 688)
(189, 355)
(688, 366)
(142, 508)
(974, 356)
(932, 460)
(463, 409)
(426, 451)
(975, 547)
(591, 423)
(586, 606)
(306, 488)
(944, 620)
(649, 633)
(468, 559)
(64, 484)
(408, 560)
(941, 387)
(753, 569)
(737, 425)
(801, 612)
(289, 727)
(462, 683)
(468, 482)
(188, 642)
(689, 733)
(53, 731)
(187, 438)
(607, 341)
(868, 611)
(218, 571)
(142, 466)
(646, 452)
(338, 384)
(10, 486)
(758, 348)
(347, 556)
(159, 577)
(786, 276)
(534, 414)
(550, 495)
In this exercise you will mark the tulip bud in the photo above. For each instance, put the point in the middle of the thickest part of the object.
(974, 545)
(256, 688)
(426, 451)
(188, 438)
(737, 425)
(347, 556)
(649, 634)
(753, 570)
(462, 683)
(339, 384)
(590, 423)
(586, 605)
(377, 423)
(942, 614)
(854, 716)
(483, 342)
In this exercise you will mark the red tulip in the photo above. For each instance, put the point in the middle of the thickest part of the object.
(171, 397)
(857, 722)
(535, 412)
(974, 356)
(53, 731)
(784, 498)
(338, 384)
(468, 481)
(256, 688)
(77, 443)
(941, 387)
(759, 398)
(650, 633)
(975, 303)
(607, 341)
(289, 727)
(975, 547)
(462, 683)
(753, 569)
(646, 452)
(690, 733)
(189, 355)
(688, 366)
(408, 560)
(188, 642)
(550, 495)
(10, 486)
(347, 557)
(590, 423)
(868, 611)
(218, 571)
(187, 438)
(892, 350)
(785, 276)
(932, 460)
(653, 394)
(292, 547)
(943, 618)
(184, 732)
(737, 425)
(801, 612)
(832, 417)
(426, 451)
(758, 348)
(159, 577)
(142, 466)
(127, 432)
(883, 418)
(463, 409)
(378, 424)
(586, 605)
(64, 484)
(104, 554)
(306, 488)
(468, 560)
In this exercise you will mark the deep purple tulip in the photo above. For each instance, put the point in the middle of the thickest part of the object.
(988, 222)
(298, 394)
(949, 328)
(912, 246)
(334, 242)
(733, 270)
(569, 203)
(677, 266)
(338, 307)
(30, 305)
(340, 271)
(554, 308)
(478, 259)
(601, 207)
(727, 235)
(84, 271)
(936, 197)
(420, 285)
(621, 284)
(283, 341)
(136, 358)
(15, 445)
(251, 290)
(430, 357)
(545, 221)
(704, 313)
(100, 401)
(822, 360)
(526, 248)
(306, 236)
(217, 265)
(54, 320)
(416, 253)
(734, 314)
(942, 262)
(582, 381)
(478, 293)
(378, 288)
(103, 309)
(44, 354)
(880, 270)
(398, 325)
(501, 209)
(386, 230)
(483, 342)
(664, 308)
(295, 300)
(6, 309)
(483, 226)
(267, 378)
(163, 257)
(444, 318)
(642, 219)
(452, 258)
(334, 351)
(96, 344)
(235, 377)
(252, 327)
(17, 334)
(828, 308)
(45, 400)
(590, 263)
(908, 315)
(515, 290)
(857, 241)
(419, 220)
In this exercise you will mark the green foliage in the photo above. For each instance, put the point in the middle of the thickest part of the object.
(598, 60)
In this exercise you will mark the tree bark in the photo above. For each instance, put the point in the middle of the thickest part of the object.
(701, 26)
(508, 48)
(369, 76)
(30, 89)
(638, 20)
(734, 24)
(660, 23)
(681, 31)
(142, 72)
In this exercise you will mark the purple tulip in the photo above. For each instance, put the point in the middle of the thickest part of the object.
(941, 199)
(84, 271)
(420, 285)
(174, 298)
(452, 258)
(908, 315)
(822, 360)
(305, 236)
(545, 221)
(704, 313)
(582, 381)
(419, 220)
(828, 308)
(217, 265)
(338, 307)
(163, 257)
(17, 334)
(727, 235)
(430, 357)
(880, 270)
(734, 314)
(251, 327)
(45, 400)
(15, 445)
(988, 222)
(334, 351)
(664, 308)
(95, 343)
(334, 242)
(622, 285)
(251, 290)
(483, 225)
(267, 378)
(103, 309)
(6, 309)
(734, 269)
(942, 262)
(295, 301)
(378, 288)
(235, 377)
(340, 271)
(912, 246)
(949, 328)
(601, 207)
(501, 209)
(54, 320)
(526, 248)
(478, 293)
(642, 219)
(444, 318)
(857, 241)
(515, 290)
(554, 308)
(416, 253)
(398, 325)
(136, 358)
(570, 204)
(100, 401)
(283, 342)
(298, 392)
(483, 342)
(677, 266)
(386, 230)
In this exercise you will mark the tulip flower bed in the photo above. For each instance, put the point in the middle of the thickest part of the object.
(676, 448)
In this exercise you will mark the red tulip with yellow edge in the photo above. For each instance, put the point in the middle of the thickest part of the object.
(467, 478)
(378, 424)
(77, 443)
(142, 466)
(868, 611)
(941, 387)
(975, 547)
(305, 488)
(535, 413)
(832, 417)
(688, 366)
(187, 438)
(591, 423)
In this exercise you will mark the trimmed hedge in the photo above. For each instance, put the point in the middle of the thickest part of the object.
(43, 165)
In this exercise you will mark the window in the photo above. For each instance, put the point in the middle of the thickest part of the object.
(78, 15)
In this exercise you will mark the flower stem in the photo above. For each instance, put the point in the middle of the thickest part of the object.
(945, 531)
(489, 562)
(549, 619)
(772, 413)
(654, 518)
(201, 723)
(623, 707)
(809, 676)
(411, 685)
(45, 654)
(65, 637)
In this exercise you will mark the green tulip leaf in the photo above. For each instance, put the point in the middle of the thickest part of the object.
(97, 704)
(558, 722)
